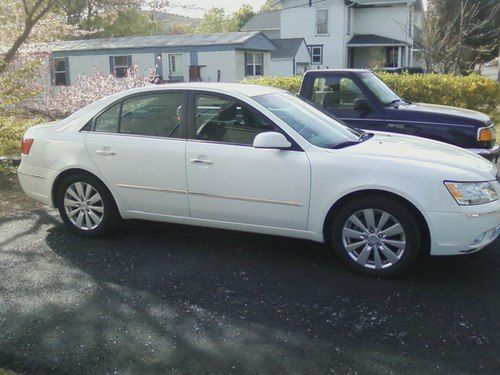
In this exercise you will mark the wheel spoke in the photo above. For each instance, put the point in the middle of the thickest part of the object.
(393, 230)
(354, 246)
(383, 220)
(363, 256)
(70, 202)
(95, 198)
(88, 190)
(79, 219)
(73, 193)
(391, 257)
(369, 218)
(376, 258)
(97, 209)
(358, 223)
(79, 190)
(88, 221)
(94, 217)
(73, 213)
(398, 244)
(351, 233)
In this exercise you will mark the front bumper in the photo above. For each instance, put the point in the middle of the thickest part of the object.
(488, 153)
(464, 232)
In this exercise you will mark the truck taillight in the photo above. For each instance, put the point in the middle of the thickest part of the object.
(26, 145)
(486, 134)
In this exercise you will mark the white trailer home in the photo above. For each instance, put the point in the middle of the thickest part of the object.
(219, 57)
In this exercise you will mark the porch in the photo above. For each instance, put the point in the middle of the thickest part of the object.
(374, 51)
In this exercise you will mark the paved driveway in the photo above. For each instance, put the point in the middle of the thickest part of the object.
(157, 298)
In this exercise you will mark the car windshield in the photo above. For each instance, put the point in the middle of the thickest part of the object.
(310, 122)
(379, 89)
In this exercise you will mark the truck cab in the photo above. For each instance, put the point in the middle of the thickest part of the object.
(360, 99)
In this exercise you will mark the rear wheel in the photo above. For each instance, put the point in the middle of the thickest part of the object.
(376, 236)
(86, 206)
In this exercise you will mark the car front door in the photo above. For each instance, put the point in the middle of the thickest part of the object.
(229, 180)
(337, 95)
(138, 144)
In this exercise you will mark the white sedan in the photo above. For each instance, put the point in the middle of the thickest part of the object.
(259, 159)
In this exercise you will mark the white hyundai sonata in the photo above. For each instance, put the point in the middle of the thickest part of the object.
(259, 159)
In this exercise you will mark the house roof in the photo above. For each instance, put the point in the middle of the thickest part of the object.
(373, 40)
(286, 48)
(269, 20)
(381, 2)
(252, 39)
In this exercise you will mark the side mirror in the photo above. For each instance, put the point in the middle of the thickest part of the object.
(272, 140)
(361, 104)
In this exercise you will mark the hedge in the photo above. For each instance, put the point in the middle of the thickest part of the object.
(473, 91)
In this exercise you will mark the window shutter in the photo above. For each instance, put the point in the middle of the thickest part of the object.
(51, 66)
(66, 66)
(111, 65)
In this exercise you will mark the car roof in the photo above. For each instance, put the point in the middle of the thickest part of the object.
(228, 88)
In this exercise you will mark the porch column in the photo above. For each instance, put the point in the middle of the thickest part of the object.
(400, 55)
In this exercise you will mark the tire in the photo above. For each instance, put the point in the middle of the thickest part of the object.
(376, 236)
(88, 213)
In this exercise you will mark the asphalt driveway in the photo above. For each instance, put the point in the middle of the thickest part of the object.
(158, 298)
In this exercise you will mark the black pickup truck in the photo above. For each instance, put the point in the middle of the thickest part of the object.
(360, 99)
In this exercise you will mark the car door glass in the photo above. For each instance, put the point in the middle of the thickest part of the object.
(107, 122)
(155, 115)
(225, 120)
(336, 93)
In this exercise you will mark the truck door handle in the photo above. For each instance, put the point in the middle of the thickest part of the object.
(201, 161)
(105, 152)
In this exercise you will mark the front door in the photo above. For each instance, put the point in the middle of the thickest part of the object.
(229, 180)
(337, 95)
(139, 146)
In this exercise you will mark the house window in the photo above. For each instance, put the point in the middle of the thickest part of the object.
(121, 65)
(316, 54)
(60, 72)
(322, 21)
(254, 63)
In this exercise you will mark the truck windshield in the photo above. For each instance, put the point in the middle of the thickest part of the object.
(379, 89)
(311, 123)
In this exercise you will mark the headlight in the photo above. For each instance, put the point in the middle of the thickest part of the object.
(470, 193)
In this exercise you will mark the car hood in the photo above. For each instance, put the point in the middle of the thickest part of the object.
(440, 110)
(401, 147)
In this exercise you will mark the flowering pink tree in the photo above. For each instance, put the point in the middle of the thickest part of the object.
(61, 101)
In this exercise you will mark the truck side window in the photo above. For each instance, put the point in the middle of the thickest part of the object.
(336, 93)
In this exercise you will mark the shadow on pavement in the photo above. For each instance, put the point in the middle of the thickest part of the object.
(168, 298)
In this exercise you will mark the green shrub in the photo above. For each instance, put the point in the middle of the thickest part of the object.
(473, 92)
(291, 84)
(11, 132)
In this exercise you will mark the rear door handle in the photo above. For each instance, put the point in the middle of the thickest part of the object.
(105, 152)
(201, 161)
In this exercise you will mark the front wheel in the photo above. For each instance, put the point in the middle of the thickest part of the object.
(376, 236)
(86, 206)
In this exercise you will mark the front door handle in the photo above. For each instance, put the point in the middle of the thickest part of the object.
(201, 161)
(105, 152)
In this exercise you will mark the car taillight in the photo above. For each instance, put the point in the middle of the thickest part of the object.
(26, 145)
(486, 134)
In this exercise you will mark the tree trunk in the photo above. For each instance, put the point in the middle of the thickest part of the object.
(11, 53)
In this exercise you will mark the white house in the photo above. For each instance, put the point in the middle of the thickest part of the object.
(220, 57)
(346, 33)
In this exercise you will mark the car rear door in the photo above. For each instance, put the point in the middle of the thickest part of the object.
(138, 144)
(229, 180)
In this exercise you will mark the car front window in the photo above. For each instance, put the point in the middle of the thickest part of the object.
(311, 123)
(379, 89)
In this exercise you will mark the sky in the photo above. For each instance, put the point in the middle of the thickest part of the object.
(197, 8)
(193, 8)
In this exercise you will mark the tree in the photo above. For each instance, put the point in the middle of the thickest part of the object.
(214, 21)
(29, 13)
(130, 22)
(242, 16)
(269, 5)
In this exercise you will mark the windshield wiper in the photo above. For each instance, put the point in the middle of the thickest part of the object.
(393, 101)
(363, 137)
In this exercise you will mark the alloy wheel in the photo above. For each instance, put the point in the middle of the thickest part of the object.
(374, 238)
(83, 206)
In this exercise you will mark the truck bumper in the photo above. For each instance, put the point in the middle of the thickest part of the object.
(488, 153)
